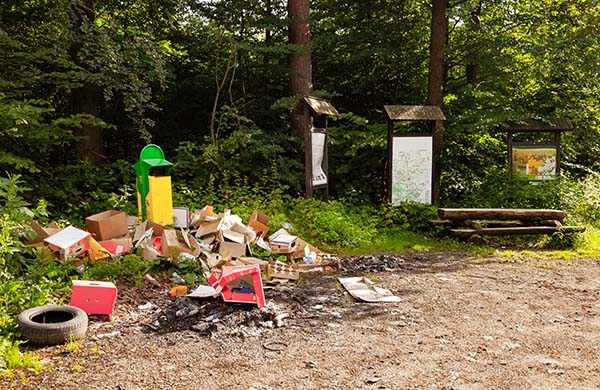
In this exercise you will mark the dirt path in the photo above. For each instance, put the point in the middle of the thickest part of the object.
(462, 323)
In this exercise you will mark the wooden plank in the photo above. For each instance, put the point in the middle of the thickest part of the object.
(516, 230)
(478, 224)
(501, 214)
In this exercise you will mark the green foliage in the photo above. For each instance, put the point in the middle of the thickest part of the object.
(76, 191)
(581, 198)
(408, 216)
(357, 155)
(130, 268)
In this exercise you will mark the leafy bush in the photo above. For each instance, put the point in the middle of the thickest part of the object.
(74, 192)
(581, 199)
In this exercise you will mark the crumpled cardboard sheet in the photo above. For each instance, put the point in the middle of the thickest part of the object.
(363, 289)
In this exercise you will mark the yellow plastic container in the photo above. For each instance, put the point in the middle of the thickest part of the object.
(159, 201)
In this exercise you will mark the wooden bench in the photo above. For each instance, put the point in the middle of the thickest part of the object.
(496, 222)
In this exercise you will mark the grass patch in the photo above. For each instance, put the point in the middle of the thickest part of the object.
(398, 240)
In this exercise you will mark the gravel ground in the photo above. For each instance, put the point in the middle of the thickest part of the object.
(462, 323)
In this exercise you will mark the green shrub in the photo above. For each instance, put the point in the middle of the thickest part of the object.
(581, 199)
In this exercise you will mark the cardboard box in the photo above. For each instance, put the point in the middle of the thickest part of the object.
(232, 236)
(69, 242)
(231, 250)
(141, 229)
(303, 248)
(174, 242)
(259, 223)
(209, 227)
(107, 224)
(282, 242)
(181, 217)
(41, 233)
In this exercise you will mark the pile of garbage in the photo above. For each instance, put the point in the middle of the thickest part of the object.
(221, 243)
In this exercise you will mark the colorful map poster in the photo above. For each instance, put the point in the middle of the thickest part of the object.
(534, 162)
(412, 169)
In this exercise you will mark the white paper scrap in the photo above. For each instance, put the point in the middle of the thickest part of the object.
(203, 292)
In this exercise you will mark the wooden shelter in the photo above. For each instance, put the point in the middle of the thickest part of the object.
(536, 159)
(413, 171)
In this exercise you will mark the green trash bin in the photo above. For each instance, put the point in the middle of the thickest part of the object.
(153, 185)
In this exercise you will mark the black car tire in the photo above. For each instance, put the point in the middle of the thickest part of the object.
(52, 324)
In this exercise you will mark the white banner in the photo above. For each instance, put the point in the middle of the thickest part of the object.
(318, 151)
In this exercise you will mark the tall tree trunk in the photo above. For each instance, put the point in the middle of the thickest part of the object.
(472, 66)
(300, 58)
(86, 99)
(435, 87)
(301, 76)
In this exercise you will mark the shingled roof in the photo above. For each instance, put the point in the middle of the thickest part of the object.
(539, 125)
(414, 113)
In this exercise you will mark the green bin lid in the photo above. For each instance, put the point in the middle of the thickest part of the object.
(153, 156)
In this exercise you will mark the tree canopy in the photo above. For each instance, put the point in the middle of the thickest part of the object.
(208, 81)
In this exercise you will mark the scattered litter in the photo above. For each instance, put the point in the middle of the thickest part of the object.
(510, 345)
(276, 346)
(556, 372)
(203, 291)
(212, 318)
(363, 289)
(148, 306)
(178, 291)
(105, 335)
(149, 278)
(279, 270)
(187, 311)
(279, 319)
(175, 278)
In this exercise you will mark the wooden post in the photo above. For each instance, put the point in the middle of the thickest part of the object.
(308, 153)
(389, 159)
(509, 142)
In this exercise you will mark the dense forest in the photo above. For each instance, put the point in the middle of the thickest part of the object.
(85, 84)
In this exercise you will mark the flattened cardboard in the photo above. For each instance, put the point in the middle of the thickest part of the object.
(107, 224)
(97, 251)
(249, 233)
(365, 290)
(149, 252)
(253, 260)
